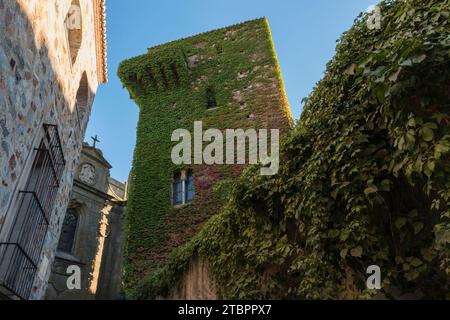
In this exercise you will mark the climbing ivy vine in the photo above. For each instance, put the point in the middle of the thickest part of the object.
(364, 178)
(219, 77)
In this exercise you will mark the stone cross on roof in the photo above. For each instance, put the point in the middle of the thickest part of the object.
(95, 140)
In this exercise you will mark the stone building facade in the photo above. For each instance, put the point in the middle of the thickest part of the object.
(52, 60)
(91, 237)
(228, 79)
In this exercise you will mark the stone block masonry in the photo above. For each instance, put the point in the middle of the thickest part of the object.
(39, 83)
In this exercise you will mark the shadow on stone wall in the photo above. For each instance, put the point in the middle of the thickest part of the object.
(31, 93)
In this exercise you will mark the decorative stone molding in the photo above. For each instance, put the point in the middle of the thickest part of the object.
(100, 39)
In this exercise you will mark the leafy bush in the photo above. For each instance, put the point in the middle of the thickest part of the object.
(364, 178)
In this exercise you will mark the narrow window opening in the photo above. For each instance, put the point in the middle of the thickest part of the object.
(68, 232)
(211, 98)
(152, 79)
(174, 69)
(164, 76)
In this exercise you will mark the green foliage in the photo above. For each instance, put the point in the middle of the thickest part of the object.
(174, 84)
(161, 282)
(364, 179)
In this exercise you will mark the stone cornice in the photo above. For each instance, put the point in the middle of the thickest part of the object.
(100, 40)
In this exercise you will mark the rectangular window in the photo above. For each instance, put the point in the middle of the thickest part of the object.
(20, 253)
(183, 187)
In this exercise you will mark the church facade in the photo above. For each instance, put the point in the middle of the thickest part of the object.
(92, 233)
(52, 60)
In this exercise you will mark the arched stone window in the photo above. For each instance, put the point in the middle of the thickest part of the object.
(82, 100)
(68, 231)
(74, 28)
(183, 187)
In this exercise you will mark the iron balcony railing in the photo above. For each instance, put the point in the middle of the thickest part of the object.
(20, 253)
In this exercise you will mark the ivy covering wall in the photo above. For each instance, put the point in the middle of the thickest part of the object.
(228, 78)
(364, 178)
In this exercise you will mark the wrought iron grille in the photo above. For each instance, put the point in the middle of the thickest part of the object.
(20, 253)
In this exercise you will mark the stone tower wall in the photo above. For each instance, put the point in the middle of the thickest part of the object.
(173, 85)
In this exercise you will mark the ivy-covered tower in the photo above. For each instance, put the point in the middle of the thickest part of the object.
(227, 78)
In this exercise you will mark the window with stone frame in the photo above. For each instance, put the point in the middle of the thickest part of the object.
(68, 231)
(183, 190)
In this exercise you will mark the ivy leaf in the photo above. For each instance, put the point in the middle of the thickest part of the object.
(415, 262)
(406, 63)
(385, 185)
(344, 253)
(431, 125)
(357, 252)
(380, 92)
(400, 223)
(427, 254)
(436, 204)
(429, 168)
(418, 165)
(441, 148)
(427, 134)
(371, 189)
(410, 137)
(412, 122)
(412, 275)
(395, 75)
(442, 235)
(344, 235)
(419, 58)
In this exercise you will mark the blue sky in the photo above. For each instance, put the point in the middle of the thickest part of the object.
(304, 32)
